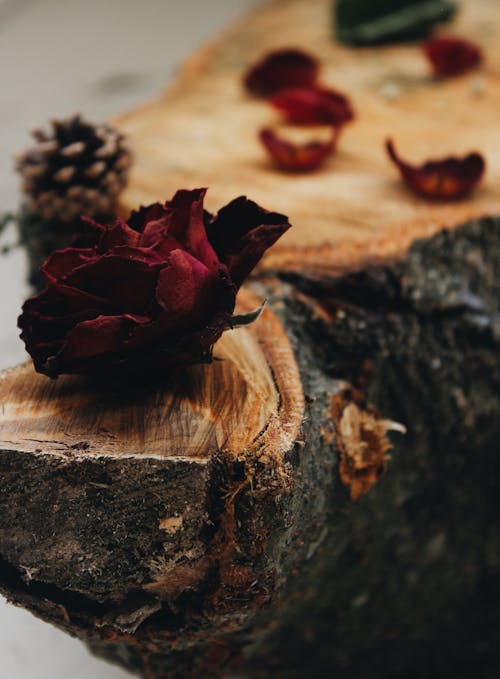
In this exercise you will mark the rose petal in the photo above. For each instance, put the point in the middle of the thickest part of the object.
(128, 284)
(313, 106)
(241, 232)
(447, 179)
(452, 56)
(62, 299)
(62, 262)
(140, 218)
(182, 284)
(100, 335)
(118, 235)
(91, 233)
(280, 69)
(297, 157)
(181, 226)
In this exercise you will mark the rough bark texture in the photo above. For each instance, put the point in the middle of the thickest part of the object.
(299, 579)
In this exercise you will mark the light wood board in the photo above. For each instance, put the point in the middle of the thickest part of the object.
(203, 132)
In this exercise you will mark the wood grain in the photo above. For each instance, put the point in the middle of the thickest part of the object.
(202, 132)
(193, 413)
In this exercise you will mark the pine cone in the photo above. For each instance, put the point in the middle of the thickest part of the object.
(74, 169)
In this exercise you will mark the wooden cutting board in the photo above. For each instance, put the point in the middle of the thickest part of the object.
(203, 132)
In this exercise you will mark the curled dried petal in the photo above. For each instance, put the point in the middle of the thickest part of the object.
(313, 106)
(447, 179)
(280, 69)
(451, 56)
(297, 157)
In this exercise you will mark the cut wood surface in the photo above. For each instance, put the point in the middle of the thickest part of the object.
(194, 413)
(203, 132)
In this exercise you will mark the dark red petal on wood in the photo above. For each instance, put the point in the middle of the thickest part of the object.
(118, 234)
(451, 56)
(101, 335)
(297, 157)
(313, 106)
(181, 225)
(280, 69)
(89, 235)
(62, 262)
(182, 285)
(188, 226)
(448, 179)
(241, 232)
(128, 284)
(140, 218)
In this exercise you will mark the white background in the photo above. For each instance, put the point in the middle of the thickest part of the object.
(58, 57)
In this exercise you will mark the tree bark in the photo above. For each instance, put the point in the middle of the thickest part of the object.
(295, 556)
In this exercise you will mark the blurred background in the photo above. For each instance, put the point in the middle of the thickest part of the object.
(59, 57)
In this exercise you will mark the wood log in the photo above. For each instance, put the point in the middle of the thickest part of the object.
(247, 517)
(203, 132)
(289, 552)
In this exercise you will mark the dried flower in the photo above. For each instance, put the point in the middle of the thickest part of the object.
(297, 157)
(158, 290)
(447, 179)
(313, 106)
(451, 56)
(280, 69)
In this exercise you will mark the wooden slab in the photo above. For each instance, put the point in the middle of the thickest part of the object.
(203, 132)
(193, 413)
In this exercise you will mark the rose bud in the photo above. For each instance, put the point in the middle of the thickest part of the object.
(297, 157)
(313, 106)
(451, 56)
(280, 69)
(448, 179)
(156, 291)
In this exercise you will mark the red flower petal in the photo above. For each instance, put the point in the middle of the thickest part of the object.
(241, 232)
(179, 224)
(313, 106)
(451, 56)
(447, 179)
(280, 69)
(183, 284)
(62, 261)
(128, 284)
(98, 336)
(117, 235)
(297, 157)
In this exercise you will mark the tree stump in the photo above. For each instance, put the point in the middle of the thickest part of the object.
(249, 518)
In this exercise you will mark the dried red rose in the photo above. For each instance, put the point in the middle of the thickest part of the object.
(297, 157)
(451, 56)
(158, 290)
(313, 106)
(447, 179)
(280, 69)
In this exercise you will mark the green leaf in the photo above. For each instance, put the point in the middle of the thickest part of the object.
(240, 320)
(367, 22)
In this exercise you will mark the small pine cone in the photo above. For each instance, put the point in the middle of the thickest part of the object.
(74, 169)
